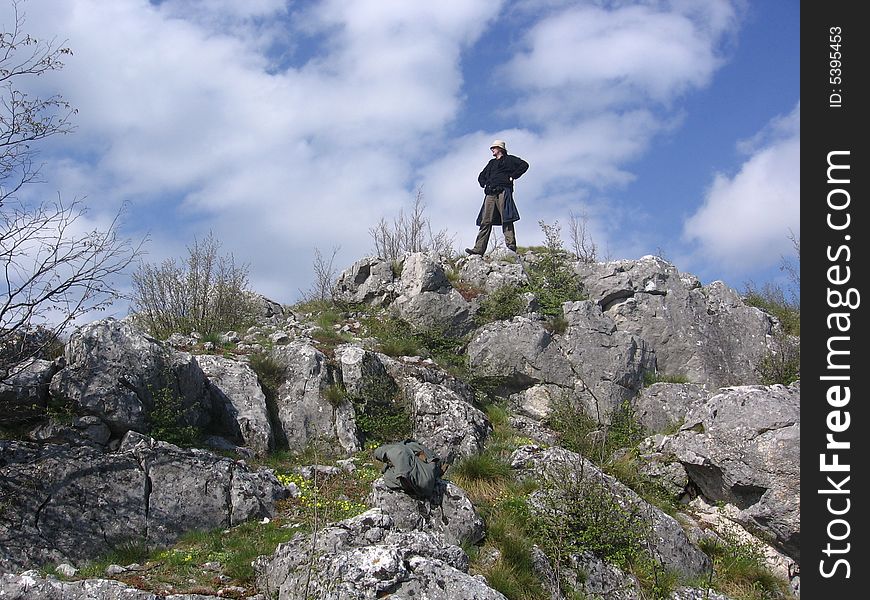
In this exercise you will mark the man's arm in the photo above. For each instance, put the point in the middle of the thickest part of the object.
(520, 167)
(484, 176)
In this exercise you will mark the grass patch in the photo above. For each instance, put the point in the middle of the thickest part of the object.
(739, 571)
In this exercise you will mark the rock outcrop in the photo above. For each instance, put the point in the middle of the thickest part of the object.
(705, 333)
(368, 557)
(73, 503)
(86, 478)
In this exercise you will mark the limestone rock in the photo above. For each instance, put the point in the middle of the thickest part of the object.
(366, 557)
(115, 372)
(742, 446)
(74, 503)
(234, 385)
(705, 333)
(304, 413)
(24, 393)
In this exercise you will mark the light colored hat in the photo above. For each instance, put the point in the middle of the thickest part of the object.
(498, 144)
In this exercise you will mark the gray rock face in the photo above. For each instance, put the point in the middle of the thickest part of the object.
(234, 385)
(520, 350)
(362, 372)
(742, 446)
(32, 585)
(446, 422)
(304, 413)
(369, 280)
(489, 276)
(75, 503)
(599, 579)
(594, 363)
(427, 300)
(366, 557)
(663, 406)
(668, 542)
(79, 430)
(608, 363)
(449, 513)
(24, 394)
(114, 371)
(705, 333)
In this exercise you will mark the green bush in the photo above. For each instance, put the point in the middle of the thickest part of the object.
(591, 519)
(166, 419)
(501, 304)
(551, 278)
(382, 415)
(782, 364)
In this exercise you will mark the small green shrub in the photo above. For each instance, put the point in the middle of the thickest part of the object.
(583, 515)
(335, 394)
(501, 304)
(582, 434)
(783, 363)
(382, 414)
(166, 419)
(551, 278)
(395, 336)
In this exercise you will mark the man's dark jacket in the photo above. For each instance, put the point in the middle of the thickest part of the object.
(498, 172)
(495, 177)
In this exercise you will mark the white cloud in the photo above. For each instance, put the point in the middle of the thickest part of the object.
(746, 219)
(288, 126)
(597, 57)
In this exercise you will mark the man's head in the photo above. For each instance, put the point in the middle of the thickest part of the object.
(498, 148)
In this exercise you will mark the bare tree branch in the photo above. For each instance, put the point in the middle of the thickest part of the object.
(53, 270)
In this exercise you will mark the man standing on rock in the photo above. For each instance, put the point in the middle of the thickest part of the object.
(497, 181)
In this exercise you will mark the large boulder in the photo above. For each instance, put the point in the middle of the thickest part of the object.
(306, 411)
(234, 386)
(522, 352)
(118, 373)
(490, 275)
(366, 557)
(705, 333)
(563, 471)
(662, 407)
(446, 422)
(369, 280)
(449, 512)
(24, 392)
(32, 585)
(72, 504)
(596, 366)
(607, 363)
(427, 300)
(742, 446)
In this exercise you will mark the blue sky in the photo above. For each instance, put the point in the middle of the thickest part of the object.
(282, 127)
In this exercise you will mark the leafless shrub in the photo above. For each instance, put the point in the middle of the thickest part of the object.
(409, 233)
(208, 293)
(53, 275)
(325, 278)
(53, 272)
(581, 240)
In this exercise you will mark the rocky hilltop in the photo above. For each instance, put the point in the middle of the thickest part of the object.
(89, 464)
